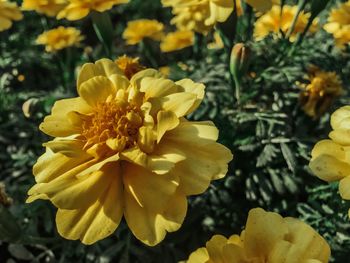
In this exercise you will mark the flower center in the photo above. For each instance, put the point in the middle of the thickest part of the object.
(114, 123)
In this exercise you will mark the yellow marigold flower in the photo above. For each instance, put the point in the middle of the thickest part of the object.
(274, 22)
(140, 29)
(124, 148)
(78, 9)
(47, 7)
(201, 15)
(130, 66)
(330, 158)
(60, 38)
(339, 24)
(177, 40)
(9, 12)
(267, 238)
(320, 91)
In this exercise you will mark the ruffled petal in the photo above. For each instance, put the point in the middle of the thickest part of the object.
(344, 188)
(199, 256)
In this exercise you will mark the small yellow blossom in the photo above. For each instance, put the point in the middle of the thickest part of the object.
(165, 71)
(21, 78)
(130, 66)
(201, 15)
(138, 30)
(177, 40)
(125, 148)
(320, 91)
(47, 7)
(216, 43)
(330, 158)
(9, 12)
(78, 9)
(60, 38)
(273, 22)
(339, 24)
(267, 238)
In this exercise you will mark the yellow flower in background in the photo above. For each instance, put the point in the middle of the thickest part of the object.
(78, 9)
(320, 91)
(140, 29)
(129, 66)
(60, 38)
(330, 158)
(339, 24)
(201, 15)
(9, 12)
(177, 40)
(267, 238)
(165, 70)
(273, 22)
(124, 148)
(216, 43)
(47, 7)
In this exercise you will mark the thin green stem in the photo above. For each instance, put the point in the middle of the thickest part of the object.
(103, 27)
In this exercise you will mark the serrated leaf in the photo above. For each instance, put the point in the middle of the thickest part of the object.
(289, 157)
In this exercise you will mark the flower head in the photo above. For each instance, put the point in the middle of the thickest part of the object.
(9, 12)
(60, 38)
(339, 24)
(274, 22)
(130, 66)
(138, 30)
(330, 158)
(177, 40)
(267, 238)
(47, 7)
(78, 9)
(124, 148)
(319, 92)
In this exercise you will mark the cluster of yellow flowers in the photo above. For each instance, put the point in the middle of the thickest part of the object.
(267, 238)
(8, 12)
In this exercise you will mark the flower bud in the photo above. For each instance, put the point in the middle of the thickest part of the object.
(240, 58)
(28, 107)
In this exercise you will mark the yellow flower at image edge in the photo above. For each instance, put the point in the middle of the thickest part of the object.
(338, 24)
(78, 9)
(124, 148)
(138, 30)
(320, 92)
(330, 158)
(47, 7)
(177, 40)
(274, 22)
(60, 38)
(267, 238)
(9, 12)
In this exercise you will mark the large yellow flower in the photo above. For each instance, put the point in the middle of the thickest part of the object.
(60, 38)
(124, 147)
(274, 22)
(8, 12)
(267, 238)
(47, 7)
(78, 9)
(140, 29)
(202, 15)
(320, 91)
(177, 40)
(331, 158)
(339, 24)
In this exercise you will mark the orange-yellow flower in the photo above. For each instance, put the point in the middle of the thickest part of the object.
(9, 12)
(140, 29)
(177, 40)
(124, 148)
(339, 24)
(319, 92)
(129, 66)
(273, 22)
(47, 7)
(330, 158)
(267, 238)
(78, 9)
(60, 38)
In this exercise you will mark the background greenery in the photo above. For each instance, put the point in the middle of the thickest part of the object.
(268, 132)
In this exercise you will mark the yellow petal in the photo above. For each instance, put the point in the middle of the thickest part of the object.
(73, 13)
(220, 10)
(166, 121)
(340, 119)
(97, 90)
(344, 188)
(119, 81)
(103, 67)
(69, 148)
(151, 191)
(215, 248)
(156, 87)
(179, 103)
(146, 139)
(328, 168)
(93, 223)
(199, 256)
(341, 136)
(141, 75)
(233, 254)
(260, 5)
(330, 148)
(195, 88)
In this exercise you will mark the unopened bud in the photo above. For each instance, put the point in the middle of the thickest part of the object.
(240, 59)
(28, 107)
(4, 199)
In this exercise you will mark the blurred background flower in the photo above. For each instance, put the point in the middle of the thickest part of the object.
(9, 12)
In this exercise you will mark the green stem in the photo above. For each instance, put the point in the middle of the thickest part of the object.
(103, 27)
(238, 86)
(301, 6)
(146, 50)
